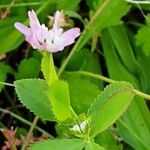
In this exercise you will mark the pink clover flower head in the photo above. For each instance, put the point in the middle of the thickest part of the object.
(41, 38)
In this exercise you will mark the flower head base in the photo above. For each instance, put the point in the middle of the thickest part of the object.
(41, 38)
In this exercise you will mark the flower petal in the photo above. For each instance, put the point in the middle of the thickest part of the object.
(22, 28)
(34, 22)
(57, 18)
(69, 36)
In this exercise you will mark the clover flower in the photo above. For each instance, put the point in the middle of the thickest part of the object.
(40, 37)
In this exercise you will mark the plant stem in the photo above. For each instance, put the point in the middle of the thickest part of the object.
(138, 2)
(30, 133)
(8, 84)
(22, 4)
(96, 76)
(141, 94)
(24, 121)
(101, 8)
(100, 77)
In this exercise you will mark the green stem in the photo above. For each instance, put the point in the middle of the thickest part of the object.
(96, 76)
(100, 77)
(8, 84)
(141, 94)
(27, 140)
(24, 121)
(138, 2)
(23, 4)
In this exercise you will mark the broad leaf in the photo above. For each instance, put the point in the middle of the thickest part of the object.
(145, 63)
(28, 68)
(93, 146)
(12, 36)
(33, 94)
(82, 92)
(67, 5)
(119, 36)
(87, 61)
(109, 106)
(61, 144)
(78, 60)
(108, 141)
(135, 137)
(92, 64)
(60, 100)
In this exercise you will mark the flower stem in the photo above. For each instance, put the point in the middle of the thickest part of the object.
(30, 133)
(100, 77)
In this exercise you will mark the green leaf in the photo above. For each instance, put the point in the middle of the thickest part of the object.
(107, 13)
(142, 37)
(73, 14)
(48, 68)
(4, 69)
(125, 51)
(84, 60)
(33, 94)
(109, 106)
(61, 144)
(119, 36)
(113, 62)
(104, 17)
(11, 35)
(107, 140)
(66, 5)
(82, 92)
(145, 63)
(78, 60)
(135, 130)
(92, 64)
(60, 100)
(28, 68)
(131, 130)
(93, 146)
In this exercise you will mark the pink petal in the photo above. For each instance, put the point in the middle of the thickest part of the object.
(57, 47)
(69, 36)
(22, 28)
(34, 22)
(57, 18)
